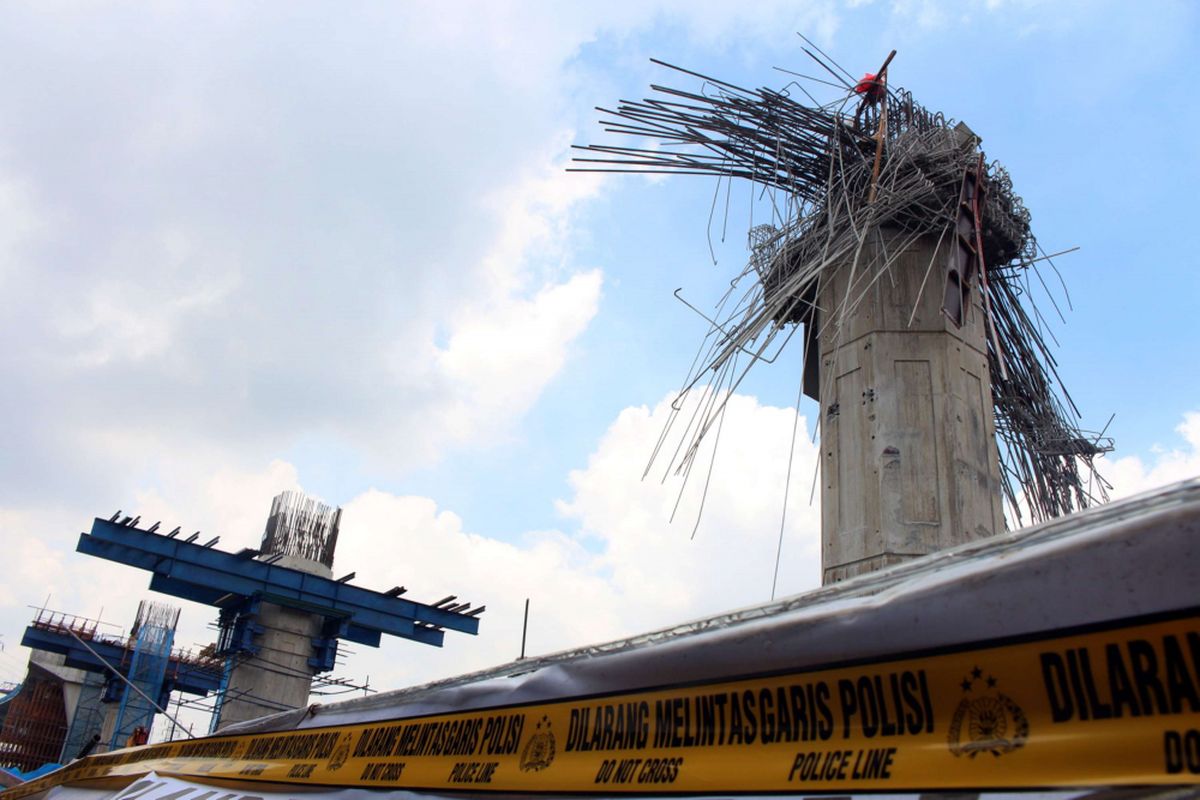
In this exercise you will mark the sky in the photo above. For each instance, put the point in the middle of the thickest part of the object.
(334, 247)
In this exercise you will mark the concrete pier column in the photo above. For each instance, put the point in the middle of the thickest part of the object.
(108, 727)
(909, 462)
(279, 676)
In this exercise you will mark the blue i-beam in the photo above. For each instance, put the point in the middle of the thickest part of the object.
(227, 581)
(190, 677)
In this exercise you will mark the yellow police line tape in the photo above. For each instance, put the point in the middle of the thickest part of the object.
(1119, 706)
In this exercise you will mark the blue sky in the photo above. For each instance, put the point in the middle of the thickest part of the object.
(243, 250)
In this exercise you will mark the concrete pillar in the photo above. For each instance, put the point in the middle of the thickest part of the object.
(279, 676)
(108, 727)
(909, 461)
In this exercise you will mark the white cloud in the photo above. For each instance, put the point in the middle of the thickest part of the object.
(18, 224)
(626, 569)
(734, 545)
(261, 236)
(390, 540)
(131, 321)
(504, 343)
(927, 14)
(499, 360)
(1133, 474)
(231, 502)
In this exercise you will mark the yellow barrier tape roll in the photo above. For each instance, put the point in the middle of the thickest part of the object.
(1119, 706)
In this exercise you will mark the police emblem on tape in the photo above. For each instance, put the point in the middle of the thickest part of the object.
(539, 750)
(340, 753)
(986, 720)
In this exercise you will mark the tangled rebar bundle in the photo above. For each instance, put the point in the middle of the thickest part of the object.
(869, 160)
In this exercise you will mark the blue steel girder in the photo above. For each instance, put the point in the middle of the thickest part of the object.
(206, 575)
(181, 675)
(238, 625)
(325, 645)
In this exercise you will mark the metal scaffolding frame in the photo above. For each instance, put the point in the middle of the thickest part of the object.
(153, 635)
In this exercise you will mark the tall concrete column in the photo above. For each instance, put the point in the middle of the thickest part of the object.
(108, 727)
(274, 670)
(909, 462)
(279, 676)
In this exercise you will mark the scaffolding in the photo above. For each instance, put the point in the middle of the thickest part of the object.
(88, 718)
(35, 723)
(153, 634)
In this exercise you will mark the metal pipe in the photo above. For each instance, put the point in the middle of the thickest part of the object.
(524, 628)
